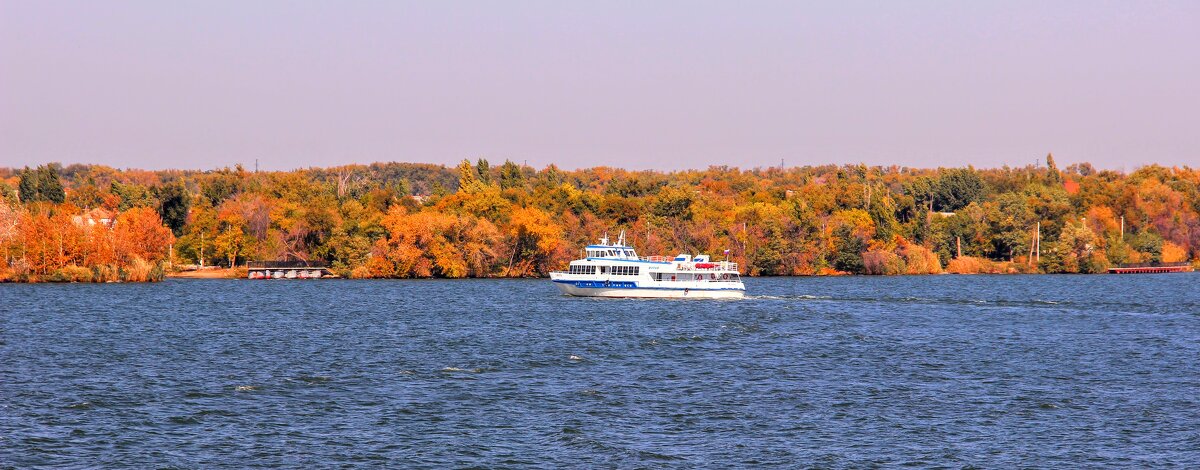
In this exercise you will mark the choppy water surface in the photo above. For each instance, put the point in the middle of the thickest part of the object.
(991, 371)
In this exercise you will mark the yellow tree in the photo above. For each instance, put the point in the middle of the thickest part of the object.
(535, 243)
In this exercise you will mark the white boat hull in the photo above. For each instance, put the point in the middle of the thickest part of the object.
(650, 292)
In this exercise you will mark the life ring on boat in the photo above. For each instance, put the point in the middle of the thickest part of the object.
(725, 276)
(713, 276)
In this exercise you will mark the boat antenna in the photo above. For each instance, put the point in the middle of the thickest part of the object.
(621, 239)
(604, 240)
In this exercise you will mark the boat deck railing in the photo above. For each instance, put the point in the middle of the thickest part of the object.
(691, 265)
(281, 265)
(716, 266)
(717, 279)
(1154, 265)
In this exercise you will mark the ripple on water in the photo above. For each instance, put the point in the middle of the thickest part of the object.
(931, 371)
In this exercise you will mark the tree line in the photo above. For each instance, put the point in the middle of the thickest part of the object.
(399, 220)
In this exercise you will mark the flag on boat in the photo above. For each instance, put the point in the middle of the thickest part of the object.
(727, 251)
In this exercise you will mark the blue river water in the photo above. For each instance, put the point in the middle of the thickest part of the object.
(984, 371)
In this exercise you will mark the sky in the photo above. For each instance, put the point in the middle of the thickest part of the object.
(659, 84)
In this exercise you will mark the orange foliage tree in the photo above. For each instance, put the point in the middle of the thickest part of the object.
(139, 233)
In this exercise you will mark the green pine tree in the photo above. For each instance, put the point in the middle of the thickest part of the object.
(27, 188)
(1053, 177)
(50, 188)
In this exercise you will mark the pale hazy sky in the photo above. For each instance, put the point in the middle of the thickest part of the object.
(637, 84)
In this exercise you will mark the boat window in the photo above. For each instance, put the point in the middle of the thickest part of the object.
(580, 269)
(626, 270)
(622, 270)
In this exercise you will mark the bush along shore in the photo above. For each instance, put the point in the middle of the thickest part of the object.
(136, 271)
(90, 223)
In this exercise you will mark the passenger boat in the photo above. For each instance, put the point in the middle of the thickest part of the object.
(615, 270)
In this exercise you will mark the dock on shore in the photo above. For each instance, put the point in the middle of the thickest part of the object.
(285, 270)
(1151, 268)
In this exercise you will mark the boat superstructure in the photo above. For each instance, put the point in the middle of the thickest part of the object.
(616, 270)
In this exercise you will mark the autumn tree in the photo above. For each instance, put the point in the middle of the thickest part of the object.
(140, 233)
(535, 243)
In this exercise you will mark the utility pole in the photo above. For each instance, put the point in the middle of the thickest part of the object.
(1122, 229)
(1039, 242)
(201, 248)
(1029, 261)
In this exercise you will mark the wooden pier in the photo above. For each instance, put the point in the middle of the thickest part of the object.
(1151, 268)
(285, 270)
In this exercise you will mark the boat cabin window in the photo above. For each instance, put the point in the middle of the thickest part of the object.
(581, 269)
(624, 270)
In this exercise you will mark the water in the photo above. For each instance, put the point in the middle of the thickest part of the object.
(989, 371)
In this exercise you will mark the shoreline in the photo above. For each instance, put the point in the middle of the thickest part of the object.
(240, 273)
(209, 273)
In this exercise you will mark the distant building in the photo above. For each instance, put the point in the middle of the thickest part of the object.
(97, 216)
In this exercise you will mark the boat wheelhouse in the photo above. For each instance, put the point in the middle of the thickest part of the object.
(616, 270)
